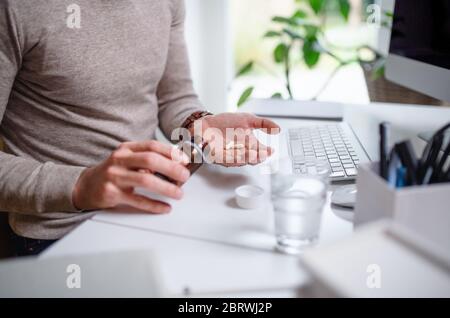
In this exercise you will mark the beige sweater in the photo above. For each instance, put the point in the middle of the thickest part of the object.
(69, 96)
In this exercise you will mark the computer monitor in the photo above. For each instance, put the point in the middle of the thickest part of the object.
(419, 56)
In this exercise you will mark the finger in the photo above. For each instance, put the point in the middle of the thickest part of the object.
(168, 151)
(143, 203)
(157, 163)
(263, 155)
(252, 157)
(265, 124)
(250, 141)
(125, 179)
(253, 143)
(263, 151)
(256, 151)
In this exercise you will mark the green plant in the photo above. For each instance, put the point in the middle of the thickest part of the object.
(300, 37)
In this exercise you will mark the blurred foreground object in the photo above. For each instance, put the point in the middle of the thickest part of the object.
(381, 260)
(123, 274)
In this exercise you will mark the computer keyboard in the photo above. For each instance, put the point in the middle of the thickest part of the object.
(332, 143)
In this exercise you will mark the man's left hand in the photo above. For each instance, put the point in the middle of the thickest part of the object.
(231, 138)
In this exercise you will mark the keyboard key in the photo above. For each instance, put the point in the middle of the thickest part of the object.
(324, 142)
(337, 174)
(296, 147)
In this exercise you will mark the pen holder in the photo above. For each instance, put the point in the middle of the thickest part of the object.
(423, 209)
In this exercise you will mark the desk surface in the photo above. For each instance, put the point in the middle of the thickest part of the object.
(210, 246)
(207, 246)
(189, 265)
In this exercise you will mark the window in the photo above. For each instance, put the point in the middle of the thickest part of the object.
(250, 19)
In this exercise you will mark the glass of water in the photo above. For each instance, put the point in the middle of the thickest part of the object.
(299, 194)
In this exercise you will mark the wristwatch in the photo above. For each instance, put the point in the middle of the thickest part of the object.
(194, 117)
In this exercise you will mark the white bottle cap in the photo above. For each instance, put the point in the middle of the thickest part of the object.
(249, 196)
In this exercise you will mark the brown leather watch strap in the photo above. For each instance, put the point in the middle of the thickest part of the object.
(193, 117)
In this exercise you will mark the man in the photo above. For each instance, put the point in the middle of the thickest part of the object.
(83, 87)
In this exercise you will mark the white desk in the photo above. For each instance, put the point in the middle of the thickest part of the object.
(202, 267)
(210, 246)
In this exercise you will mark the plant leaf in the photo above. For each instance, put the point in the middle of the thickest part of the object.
(311, 31)
(378, 70)
(277, 96)
(245, 69)
(311, 54)
(245, 96)
(292, 34)
(280, 53)
(299, 14)
(388, 14)
(271, 34)
(344, 8)
(378, 73)
(284, 20)
(316, 5)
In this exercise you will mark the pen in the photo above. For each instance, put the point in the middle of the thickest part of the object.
(439, 174)
(446, 176)
(394, 164)
(429, 166)
(409, 160)
(384, 130)
(401, 177)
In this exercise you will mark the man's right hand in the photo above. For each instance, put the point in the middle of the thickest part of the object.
(132, 165)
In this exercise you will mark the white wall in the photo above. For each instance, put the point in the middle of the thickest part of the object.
(210, 50)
